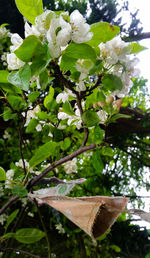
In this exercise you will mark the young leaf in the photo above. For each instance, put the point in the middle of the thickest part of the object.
(136, 48)
(30, 8)
(67, 63)
(102, 32)
(97, 161)
(80, 51)
(7, 235)
(43, 153)
(107, 151)
(19, 190)
(49, 97)
(10, 218)
(21, 78)
(90, 118)
(112, 82)
(31, 126)
(2, 174)
(29, 235)
(64, 145)
(68, 109)
(33, 96)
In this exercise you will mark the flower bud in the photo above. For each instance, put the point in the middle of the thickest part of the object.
(101, 104)
(95, 105)
(109, 99)
(117, 104)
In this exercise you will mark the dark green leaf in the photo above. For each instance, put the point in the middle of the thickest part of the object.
(90, 118)
(97, 161)
(16, 102)
(33, 96)
(98, 134)
(29, 235)
(46, 150)
(19, 190)
(10, 218)
(112, 82)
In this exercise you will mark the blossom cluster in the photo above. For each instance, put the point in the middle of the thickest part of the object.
(118, 60)
(55, 29)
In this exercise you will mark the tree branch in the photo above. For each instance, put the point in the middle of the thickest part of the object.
(36, 179)
(19, 251)
(141, 36)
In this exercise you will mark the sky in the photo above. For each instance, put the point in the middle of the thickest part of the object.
(144, 15)
(144, 66)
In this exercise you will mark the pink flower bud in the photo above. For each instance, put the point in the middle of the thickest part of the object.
(101, 104)
(109, 99)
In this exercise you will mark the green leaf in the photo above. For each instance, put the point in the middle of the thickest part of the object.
(136, 48)
(29, 48)
(46, 150)
(97, 161)
(102, 32)
(31, 126)
(33, 96)
(148, 255)
(65, 144)
(10, 218)
(67, 63)
(49, 97)
(16, 102)
(117, 116)
(115, 248)
(8, 235)
(112, 82)
(90, 118)
(30, 9)
(107, 151)
(67, 108)
(19, 190)
(8, 114)
(44, 80)
(29, 235)
(3, 76)
(41, 60)
(21, 78)
(98, 134)
(2, 174)
(80, 51)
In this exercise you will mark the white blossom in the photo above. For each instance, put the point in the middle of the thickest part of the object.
(42, 22)
(71, 166)
(20, 163)
(102, 116)
(60, 228)
(6, 135)
(31, 30)
(80, 29)
(1, 191)
(3, 218)
(117, 59)
(72, 120)
(32, 114)
(4, 32)
(58, 35)
(13, 61)
(9, 178)
(38, 128)
(64, 96)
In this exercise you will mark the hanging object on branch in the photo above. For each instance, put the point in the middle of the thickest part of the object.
(94, 215)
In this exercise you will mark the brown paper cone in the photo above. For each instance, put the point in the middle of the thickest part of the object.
(94, 214)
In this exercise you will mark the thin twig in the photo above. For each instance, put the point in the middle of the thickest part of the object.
(46, 171)
(44, 228)
(20, 251)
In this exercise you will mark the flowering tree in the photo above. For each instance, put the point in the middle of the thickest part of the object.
(62, 88)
